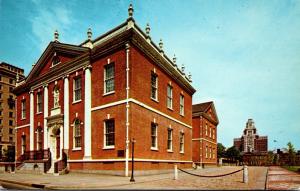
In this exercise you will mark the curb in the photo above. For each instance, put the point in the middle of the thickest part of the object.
(40, 186)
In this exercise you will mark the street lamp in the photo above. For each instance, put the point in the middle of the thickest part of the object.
(132, 160)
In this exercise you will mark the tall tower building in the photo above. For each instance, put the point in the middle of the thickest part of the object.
(8, 79)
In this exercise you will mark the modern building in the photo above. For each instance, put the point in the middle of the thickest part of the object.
(205, 122)
(251, 142)
(8, 78)
(82, 106)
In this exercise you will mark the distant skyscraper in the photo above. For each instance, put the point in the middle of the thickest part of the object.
(250, 140)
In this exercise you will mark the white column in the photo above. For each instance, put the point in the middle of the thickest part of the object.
(31, 131)
(87, 114)
(127, 111)
(66, 112)
(45, 116)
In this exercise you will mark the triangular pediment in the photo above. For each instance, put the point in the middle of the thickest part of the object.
(211, 112)
(207, 110)
(55, 54)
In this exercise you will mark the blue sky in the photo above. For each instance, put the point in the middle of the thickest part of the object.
(243, 55)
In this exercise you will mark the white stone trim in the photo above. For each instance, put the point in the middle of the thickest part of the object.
(31, 131)
(66, 113)
(123, 160)
(22, 126)
(200, 139)
(127, 112)
(142, 105)
(87, 114)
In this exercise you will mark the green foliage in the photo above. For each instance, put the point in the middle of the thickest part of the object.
(233, 154)
(221, 150)
(292, 154)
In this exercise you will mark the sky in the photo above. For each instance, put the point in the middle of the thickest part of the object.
(243, 55)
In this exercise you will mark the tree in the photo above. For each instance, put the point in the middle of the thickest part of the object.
(292, 153)
(233, 154)
(221, 150)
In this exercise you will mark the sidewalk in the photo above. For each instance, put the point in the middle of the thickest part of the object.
(282, 179)
(162, 181)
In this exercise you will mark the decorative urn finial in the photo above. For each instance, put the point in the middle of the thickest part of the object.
(130, 10)
(174, 59)
(161, 45)
(148, 29)
(89, 33)
(182, 68)
(190, 76)
(56, 35)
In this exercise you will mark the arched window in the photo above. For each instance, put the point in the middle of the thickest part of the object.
(55, 60)
(77, 134)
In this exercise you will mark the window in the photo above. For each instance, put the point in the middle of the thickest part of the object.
(210, 153)
(213, 134)
(39, 138)
(0, 121)
(181, 142)
(0, 95)
(11, 139)
(109, 78)
(170, 97)
(77, 134)
(77, 89)
(11, 131)
(23, 109)
(11, 123)
(154, 86)
(0, 113)
(206, 152)
(0, 86)
(181, 104)
(206, 129)
(23, 142)
(0, 78)
(11, 114)
(213, 154)
(55, 60)
(209, 131)
(170, 134)
(109, 132)
(153, 136)
(39, 102)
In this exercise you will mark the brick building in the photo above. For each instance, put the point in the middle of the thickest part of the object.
(81, 105)
(251, 142)
(8, 77)
(205, 122)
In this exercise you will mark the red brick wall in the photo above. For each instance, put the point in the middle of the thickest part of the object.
(140, 87)
(21, 121)
(48, 65)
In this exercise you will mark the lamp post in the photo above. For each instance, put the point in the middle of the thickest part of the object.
(132, 160)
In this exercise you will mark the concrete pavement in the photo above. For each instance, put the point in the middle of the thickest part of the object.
(282, 179)
(257, 177)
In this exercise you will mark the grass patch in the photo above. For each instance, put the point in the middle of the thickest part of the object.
(293, 168)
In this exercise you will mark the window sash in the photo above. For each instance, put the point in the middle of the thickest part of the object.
(39, 102)
(170, 134)
(77, 134)
(181, 140)
(23, 109)
(169, 96)
(110, 133)
(109, 77)
(154, 86)
(181, 105)
(153, 135)
(77, 89)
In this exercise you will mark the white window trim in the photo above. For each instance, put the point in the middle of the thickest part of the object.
(74, 141)
(104, 138)
(156, 92)
(181, 112)
(181, 151)
(156, 138)
(171, 149)
(206, 130)
(37, 106)
(104, 80)
(23, 116)
(76, 101)
(171, 97)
